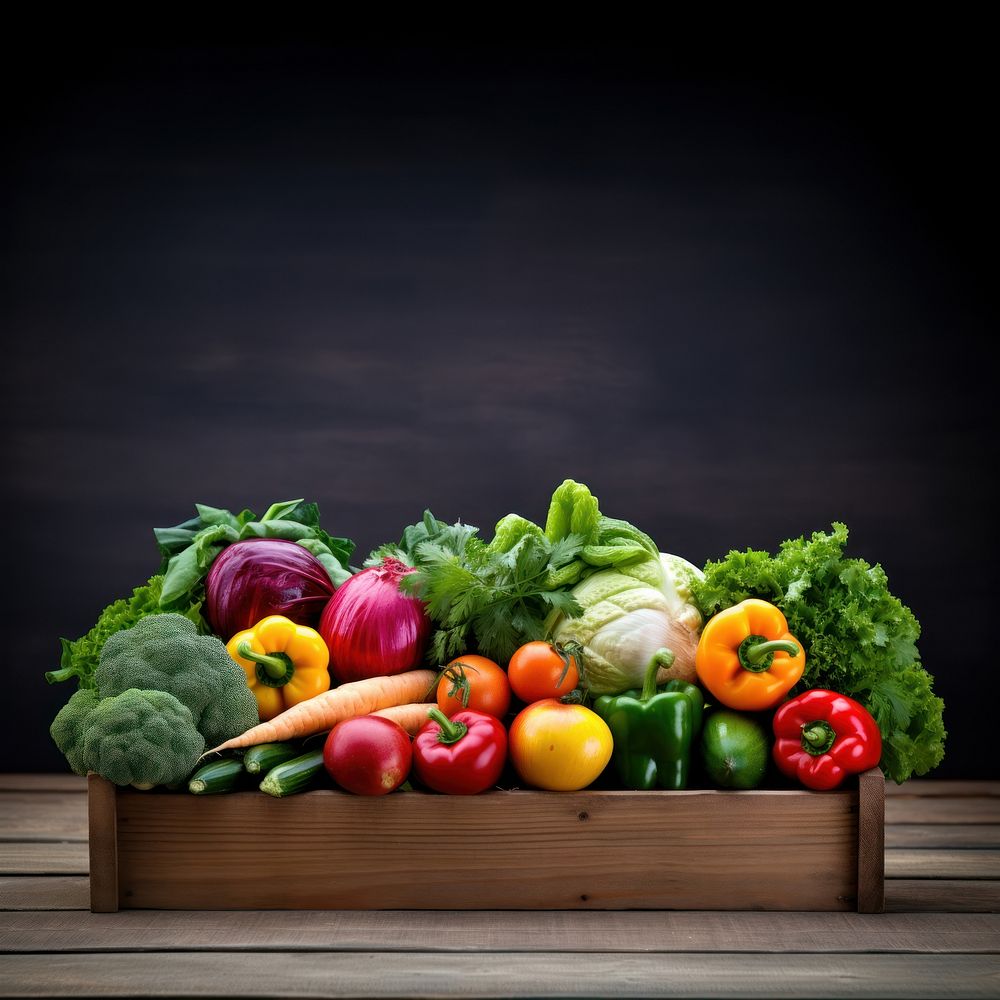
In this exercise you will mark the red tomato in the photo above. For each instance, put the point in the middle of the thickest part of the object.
(485, 681)
(368, 755)
(538, 670)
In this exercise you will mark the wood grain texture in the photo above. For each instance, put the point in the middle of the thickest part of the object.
(932, 788)
(985, 836)
(485, 931)
(942, 809)
(43, 816)
(102, 799)
(44, 859)
(43, 783)
(871, 841)
(368, 974)
(44, 892)
(589, 850)
(942, 896)
(942, 864)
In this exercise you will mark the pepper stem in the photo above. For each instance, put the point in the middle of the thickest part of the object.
(661, 658)
(451, 731)
(818, 737)
(275, 665)
(756, 653)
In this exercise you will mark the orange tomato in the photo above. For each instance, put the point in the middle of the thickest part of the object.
(558, 747)
(485, 682)
(537, 670)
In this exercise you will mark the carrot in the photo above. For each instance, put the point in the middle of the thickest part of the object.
(327, 709)
(411, 717)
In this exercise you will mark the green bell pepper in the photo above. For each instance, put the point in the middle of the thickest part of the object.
(653, 730)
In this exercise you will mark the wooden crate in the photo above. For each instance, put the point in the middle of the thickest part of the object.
(602, 850)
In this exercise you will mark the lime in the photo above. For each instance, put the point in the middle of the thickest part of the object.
(734, 750)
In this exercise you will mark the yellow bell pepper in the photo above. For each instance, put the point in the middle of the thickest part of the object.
(285, 663)
(747, 658)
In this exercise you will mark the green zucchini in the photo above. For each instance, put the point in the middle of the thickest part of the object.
(294, 775)
(216, 776)
(261, 758)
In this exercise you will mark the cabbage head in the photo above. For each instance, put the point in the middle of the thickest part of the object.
(629, 614)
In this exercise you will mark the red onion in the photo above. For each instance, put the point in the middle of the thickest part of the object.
(252, 579)
(371, 628)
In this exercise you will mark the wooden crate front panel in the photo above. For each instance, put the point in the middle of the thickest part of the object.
(781, 850)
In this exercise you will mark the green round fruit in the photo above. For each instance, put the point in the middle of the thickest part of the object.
(735, 750)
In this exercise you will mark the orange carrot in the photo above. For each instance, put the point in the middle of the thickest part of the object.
(327, 709)
(411, 717)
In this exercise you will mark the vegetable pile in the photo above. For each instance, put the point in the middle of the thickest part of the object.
(554, 656)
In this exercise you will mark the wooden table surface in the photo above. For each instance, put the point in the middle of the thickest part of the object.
(940, 936)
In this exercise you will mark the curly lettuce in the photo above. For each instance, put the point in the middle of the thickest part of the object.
(860, 640)
(81, 656)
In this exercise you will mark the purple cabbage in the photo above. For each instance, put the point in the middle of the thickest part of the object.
(252, 579)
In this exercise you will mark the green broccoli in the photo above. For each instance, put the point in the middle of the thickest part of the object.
(141, 738)
(166, 653)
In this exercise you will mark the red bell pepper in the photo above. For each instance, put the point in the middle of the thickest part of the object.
(462, 755)
(821, 737)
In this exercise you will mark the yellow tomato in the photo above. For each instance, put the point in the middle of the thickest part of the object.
(559, 747)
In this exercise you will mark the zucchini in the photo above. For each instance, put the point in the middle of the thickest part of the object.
(261, 758)
(294, 775)
(216, 776)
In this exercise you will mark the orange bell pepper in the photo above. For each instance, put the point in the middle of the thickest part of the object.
(747, 658)
(285, 663)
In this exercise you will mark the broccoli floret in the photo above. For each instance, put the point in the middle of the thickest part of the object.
(166, 653)
(140, 738)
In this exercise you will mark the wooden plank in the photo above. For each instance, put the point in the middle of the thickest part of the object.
(942, 864)
(43, 859)
(42, 783)
(930, 787)
(534, 850)
(43, 816)
(368, 974)
(871, 839)
(904, 809)
(45, 892)
(985, 836)
(942, 895)
(102, 799)
(491, 931)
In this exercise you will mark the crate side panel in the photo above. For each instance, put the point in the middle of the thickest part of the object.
(502, 850)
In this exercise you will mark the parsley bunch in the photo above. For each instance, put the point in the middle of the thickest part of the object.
(491, 597)
(500, 598)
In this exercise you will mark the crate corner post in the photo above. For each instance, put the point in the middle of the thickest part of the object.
(102, 808)
(871, 841)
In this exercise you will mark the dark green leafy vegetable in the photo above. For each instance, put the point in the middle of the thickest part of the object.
(860, 640)
(451, 537)
(500, 595)
(189, 548)
(80, 657)
(499, 599)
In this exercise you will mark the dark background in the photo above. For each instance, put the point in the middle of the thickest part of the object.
(740, 290)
